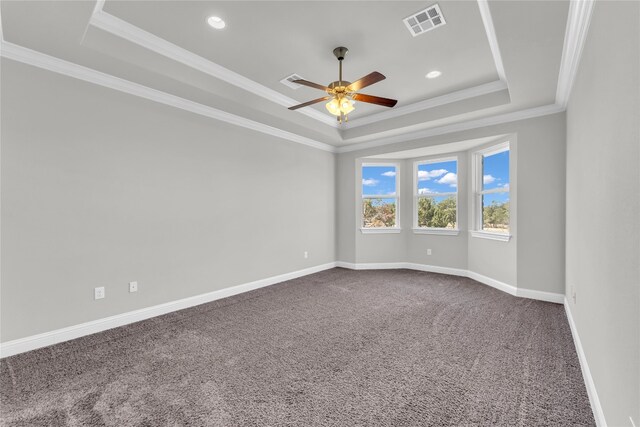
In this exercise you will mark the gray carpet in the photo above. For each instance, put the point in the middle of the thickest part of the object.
(337, 348)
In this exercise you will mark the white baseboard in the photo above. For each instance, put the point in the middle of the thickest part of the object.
(598, 415)
(504, 287)
(33, 342)
(540, 295)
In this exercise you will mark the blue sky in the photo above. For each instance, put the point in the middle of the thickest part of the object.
(441, 177)
(496, 175)
(378, 180)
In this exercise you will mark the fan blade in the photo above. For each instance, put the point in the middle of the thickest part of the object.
(385, 102)
(312, 84)
(367, 80)
(315, 101)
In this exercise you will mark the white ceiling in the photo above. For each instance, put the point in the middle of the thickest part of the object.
(496, 58)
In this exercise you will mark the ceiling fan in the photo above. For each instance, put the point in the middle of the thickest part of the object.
(342, 93)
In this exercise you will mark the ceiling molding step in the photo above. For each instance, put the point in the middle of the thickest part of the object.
(136, 35)
(574, 39)
(60, 66)
(449, 98)
(487, 20)
(116, 26)
(457, 127)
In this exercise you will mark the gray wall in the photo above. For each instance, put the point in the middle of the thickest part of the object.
(603, 205)
(538, 165)
(100, 188)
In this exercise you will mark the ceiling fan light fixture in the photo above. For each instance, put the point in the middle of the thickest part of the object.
(433, 74)
(346, 105)
(333, 107)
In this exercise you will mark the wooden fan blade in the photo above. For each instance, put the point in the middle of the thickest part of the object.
(312, 84)
(315, 101)
(385, 102)
(367, 80)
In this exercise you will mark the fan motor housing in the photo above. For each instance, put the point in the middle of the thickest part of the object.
(339, 85)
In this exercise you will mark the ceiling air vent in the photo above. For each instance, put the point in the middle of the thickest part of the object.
(288, 81)
(425, 20)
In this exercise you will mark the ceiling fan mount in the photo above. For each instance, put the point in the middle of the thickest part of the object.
(342, 93)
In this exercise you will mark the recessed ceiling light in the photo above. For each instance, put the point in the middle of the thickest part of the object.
(216, 22)
(433, 74)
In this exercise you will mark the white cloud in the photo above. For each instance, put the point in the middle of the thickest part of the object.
(369, 182)
(389, 173)
(450, 178)
(424, 191)
(505, 185)
(427, 175)
(488, 179)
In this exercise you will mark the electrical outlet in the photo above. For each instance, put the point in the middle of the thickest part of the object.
(306, 254)
(133, 286)
(428, 251)
(98, 293)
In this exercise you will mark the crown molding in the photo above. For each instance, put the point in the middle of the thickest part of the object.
(449, 98)
(60, 66)
(487, 20)
(120, 28)
(457, 127)
(574, 39)
(136, 35)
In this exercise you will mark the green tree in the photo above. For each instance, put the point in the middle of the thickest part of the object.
(378, 213)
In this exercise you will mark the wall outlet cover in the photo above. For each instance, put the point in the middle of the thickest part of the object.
(98, 293)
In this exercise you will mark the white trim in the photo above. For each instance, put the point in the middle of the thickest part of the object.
(437, 269)
(50, 63)
(456, 127)
(598, 414)
(540, 295)
(491, 236)
(381, 230)
(33, 342)
(574, 39)
(501, 286)
(487, 20)
(504, 287)
(136, 35)
(440, 231)
(426, 104)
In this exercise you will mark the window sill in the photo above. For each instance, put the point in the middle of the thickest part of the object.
(380, 230)
(440, 231)
(491, 236)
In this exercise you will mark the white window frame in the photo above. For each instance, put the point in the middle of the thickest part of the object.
(396, 196)
(417, 196)
(477, 191)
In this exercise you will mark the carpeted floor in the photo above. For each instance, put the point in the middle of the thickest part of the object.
(337, 348)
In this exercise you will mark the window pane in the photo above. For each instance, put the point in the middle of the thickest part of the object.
(495, 171)
(437, 212)
(438, 177)
(378, 180)
(495, 213)
(378, 213)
